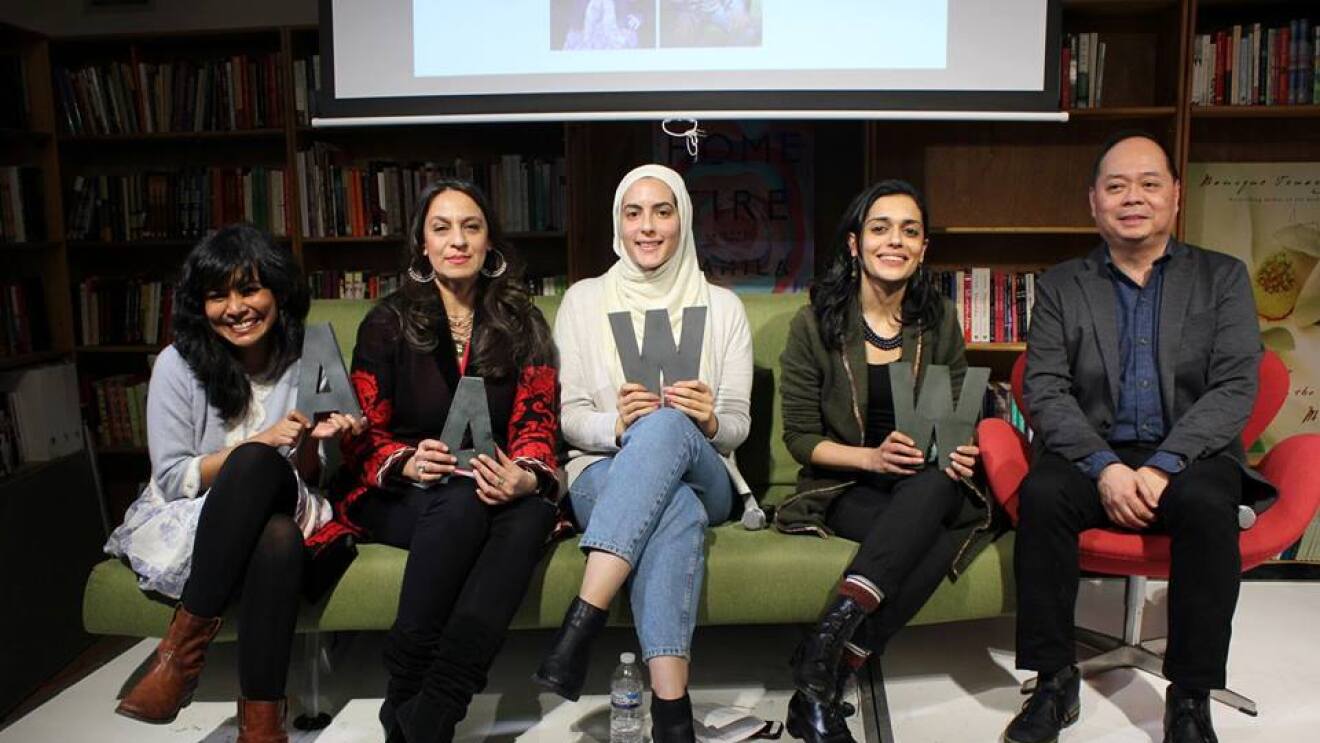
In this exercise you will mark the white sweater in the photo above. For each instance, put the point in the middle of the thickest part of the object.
(589, 401)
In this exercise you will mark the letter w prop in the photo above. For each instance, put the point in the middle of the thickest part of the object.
(323, 385)
(658, 357)
(934, 406)
(469, 410)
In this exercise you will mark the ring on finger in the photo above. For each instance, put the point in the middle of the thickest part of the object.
(421, 468)
(499, 480)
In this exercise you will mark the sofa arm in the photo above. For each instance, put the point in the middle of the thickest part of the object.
(1004, 456)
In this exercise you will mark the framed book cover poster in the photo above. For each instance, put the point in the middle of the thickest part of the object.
(1268, 215)
(752, 203)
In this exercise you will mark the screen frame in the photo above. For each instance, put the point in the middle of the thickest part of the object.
(648, 105)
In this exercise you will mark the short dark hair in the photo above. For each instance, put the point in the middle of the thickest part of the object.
(1124, 135)
(228, 257)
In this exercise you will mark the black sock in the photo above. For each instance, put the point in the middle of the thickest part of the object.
(1059, 675)
(669, 712)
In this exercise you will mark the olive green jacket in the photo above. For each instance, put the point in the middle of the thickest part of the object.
(824, 394)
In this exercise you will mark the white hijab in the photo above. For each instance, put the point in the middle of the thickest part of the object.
(673, 286)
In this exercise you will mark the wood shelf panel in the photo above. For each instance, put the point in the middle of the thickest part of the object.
(30, 359)
(126, 349)
(235, 134)
(1309, 111)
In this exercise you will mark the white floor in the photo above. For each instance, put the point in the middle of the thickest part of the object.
(952, 682)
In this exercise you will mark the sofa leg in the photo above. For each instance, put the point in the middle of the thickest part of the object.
(877, 727)
(1130, 652)
(313, 718)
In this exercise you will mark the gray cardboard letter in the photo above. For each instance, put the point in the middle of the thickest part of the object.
(323, 385)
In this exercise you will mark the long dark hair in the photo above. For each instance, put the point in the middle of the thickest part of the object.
(836, 291)
(232, 256)
(508, 332)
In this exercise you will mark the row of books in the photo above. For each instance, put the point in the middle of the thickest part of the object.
(1001, 404)
(993, 306)
(173, 205)
(1082, 71)
(306, 82)
(377, 198)
(121, 410)
(24, 326)
(353, 284)
(547, 286)
(21, 204)
(243, 91)
(118, 311)
(1257, 65)
(13, 92)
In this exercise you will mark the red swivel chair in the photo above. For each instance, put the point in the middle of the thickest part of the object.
(1005, 455)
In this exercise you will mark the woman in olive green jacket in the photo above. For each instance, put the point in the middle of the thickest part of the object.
(861, 478)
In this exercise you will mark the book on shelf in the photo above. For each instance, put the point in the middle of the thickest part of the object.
(1257, 64)
(24, 325)
(547, 286)
(992, 306)
(13, 92)
(364, 284)
(176, 205)
(131, 96)
(1000, 404)
(1082, 71)
(22, 217)
(119, 403)
(124, 311)
(42, 407)
(306, 84)
(341, 198)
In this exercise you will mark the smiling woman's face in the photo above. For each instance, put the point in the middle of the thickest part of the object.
(649, 224)
(243, 313)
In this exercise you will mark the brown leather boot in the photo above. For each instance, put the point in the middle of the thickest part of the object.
(261, 722)
(168, 685)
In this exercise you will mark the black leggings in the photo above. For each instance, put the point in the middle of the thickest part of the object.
(248, 544)
(469, 565)
(906, 546)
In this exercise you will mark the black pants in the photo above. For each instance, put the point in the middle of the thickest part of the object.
(468, 568)
(1199, 513)
(906, 547)
(248, 543)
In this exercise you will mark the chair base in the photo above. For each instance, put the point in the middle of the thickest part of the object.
(1113, 653)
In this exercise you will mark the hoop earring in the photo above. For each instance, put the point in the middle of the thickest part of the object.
(418, 276)
(495, 273)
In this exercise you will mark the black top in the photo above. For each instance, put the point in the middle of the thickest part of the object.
(879, 404)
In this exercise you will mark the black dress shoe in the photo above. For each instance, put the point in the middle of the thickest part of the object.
(816, 662)
(564, 668)
(814, 722)
(1187, 720)
(1053, 706)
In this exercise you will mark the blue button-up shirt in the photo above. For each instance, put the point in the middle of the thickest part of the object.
(1139, 417)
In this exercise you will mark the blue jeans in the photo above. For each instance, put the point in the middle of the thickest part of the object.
(650, 505)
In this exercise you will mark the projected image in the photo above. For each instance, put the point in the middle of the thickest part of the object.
(577, 25)
(710, 23)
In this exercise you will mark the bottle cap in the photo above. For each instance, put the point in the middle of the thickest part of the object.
(627, 658)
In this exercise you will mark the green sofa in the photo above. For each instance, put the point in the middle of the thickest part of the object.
(753, 577)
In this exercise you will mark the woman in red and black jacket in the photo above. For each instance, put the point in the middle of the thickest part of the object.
(473, 536)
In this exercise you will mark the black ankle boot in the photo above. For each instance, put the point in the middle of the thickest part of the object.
(1053, 706)
(822, 723)
(671, 720)
(814, 722)
(564, 668)
(406, 659)
(423, 721)
(816, 662)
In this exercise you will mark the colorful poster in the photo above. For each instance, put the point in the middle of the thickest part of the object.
(751, 189)
(1268, 214)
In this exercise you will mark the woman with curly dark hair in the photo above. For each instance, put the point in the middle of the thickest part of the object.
(231, 502)
(861, 477)
(475, 535)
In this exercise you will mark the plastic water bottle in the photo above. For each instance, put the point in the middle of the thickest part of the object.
(626, 701)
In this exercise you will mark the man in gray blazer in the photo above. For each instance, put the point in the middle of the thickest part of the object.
(1142, 363)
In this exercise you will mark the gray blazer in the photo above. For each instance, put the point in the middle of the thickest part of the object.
(1208, 358)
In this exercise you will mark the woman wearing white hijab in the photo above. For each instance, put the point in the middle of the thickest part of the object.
(648, 473)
